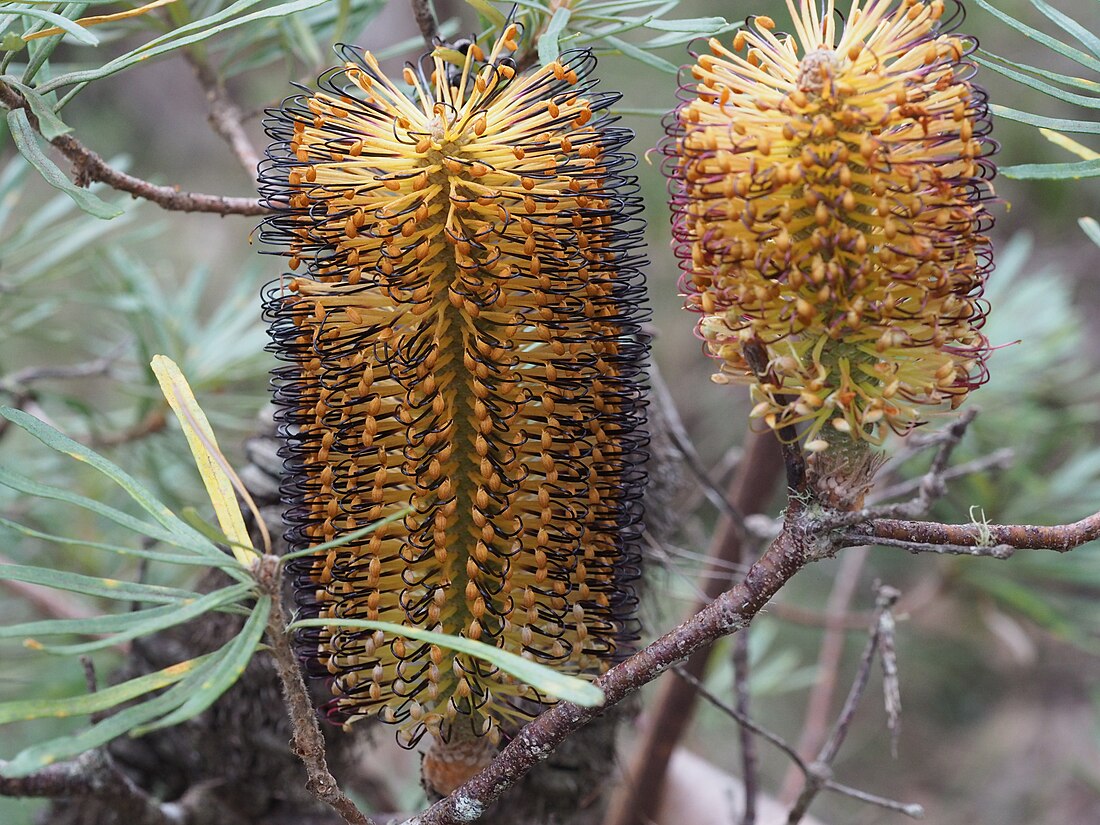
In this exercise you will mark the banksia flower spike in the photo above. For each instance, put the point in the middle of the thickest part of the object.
(462, 338)
(828, 190)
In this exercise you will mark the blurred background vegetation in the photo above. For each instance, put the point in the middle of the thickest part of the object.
(999, 669)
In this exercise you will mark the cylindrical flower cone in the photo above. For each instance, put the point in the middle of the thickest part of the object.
(829, 192)
(462, 341)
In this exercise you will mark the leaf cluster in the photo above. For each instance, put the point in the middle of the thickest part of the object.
(1060, 86)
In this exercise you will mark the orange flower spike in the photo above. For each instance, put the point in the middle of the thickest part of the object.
(462, 340)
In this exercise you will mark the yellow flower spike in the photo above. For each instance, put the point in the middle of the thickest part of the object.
(462, 337)
(829, 193)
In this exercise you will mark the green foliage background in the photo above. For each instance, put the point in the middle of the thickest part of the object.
(1001, 645)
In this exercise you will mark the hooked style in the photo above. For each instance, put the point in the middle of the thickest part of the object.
(463, 345)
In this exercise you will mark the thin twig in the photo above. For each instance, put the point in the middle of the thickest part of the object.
(999, 460)
(910, 809)
(743, 720)
(887, 597)
(665, 410)
(18, 385)
(309, 742)
(87, 369)
(750, 764)
(89, 167)
(714, 489)
(829, 659)
(92, 683)
(90, 680)
(225, 115)
(996, 551)
(426, 21)
(891, 684)
(151, 423)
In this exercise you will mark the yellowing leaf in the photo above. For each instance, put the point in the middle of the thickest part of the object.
(216, 473)
(1069, 144)
(88, 22)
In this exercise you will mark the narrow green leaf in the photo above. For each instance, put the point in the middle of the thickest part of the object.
(183, 612)
(95, 585)
(633, 5)
(490, 12)
(101, 700)
(354, 535)
(339, 30)
(542, 678)
(12, 479)
(630, 50)
(46, 753)
(549, 48)
(618, 26)
(668, 39)
(1088, 127)
(138, 492)
(1072, 81)
(302, 37)
(638, 112)
(82, 2)
(697, 25)
(1070, 26)
(93, 626)
(230, 565)
(1035, 83)
(79, 33)
(238, 653)
(49, 123)
(604, 14)
(187, 35)
(1041, 37)
(26, 141)
(1053, 171)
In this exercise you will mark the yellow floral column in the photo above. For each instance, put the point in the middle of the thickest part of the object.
(829, 191)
